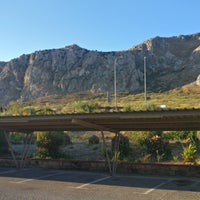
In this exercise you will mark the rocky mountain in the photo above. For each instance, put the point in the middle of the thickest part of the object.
(170, 62)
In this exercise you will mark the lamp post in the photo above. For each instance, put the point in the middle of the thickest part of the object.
(115, 80)
(145, 80)
(115, 83)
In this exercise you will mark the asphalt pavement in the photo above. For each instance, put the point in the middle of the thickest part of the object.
(46, 184)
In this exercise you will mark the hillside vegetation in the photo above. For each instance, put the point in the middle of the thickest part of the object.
(186, 97)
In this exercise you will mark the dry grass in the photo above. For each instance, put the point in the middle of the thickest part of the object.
(185, 97)
(172, 99)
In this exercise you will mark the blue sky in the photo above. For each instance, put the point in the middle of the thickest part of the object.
(104, 25)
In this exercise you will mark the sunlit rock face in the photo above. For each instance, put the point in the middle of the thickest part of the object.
(170, 62)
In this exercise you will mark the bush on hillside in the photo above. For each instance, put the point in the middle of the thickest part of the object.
(85, 106)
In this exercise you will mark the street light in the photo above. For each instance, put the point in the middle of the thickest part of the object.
(115, 81)
(145, 80)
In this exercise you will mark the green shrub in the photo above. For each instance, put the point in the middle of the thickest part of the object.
(186, 134)
(138, 138)
(93, 139)
(124, 147)
(180, 135)
(128, 108)
(190, 153)
(67, 139)
(172, 135)
(17, 138)
(158, 148)
(3, 144)
(14, 108)
(48, 144)
(85, 136)
(47, 110)
(194, 139)
(85, 106)
(151, 106)
(28, 110)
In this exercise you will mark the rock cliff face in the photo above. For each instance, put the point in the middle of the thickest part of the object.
(171, 62)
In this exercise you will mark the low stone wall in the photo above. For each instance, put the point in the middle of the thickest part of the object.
(122, 167)
(163, 169)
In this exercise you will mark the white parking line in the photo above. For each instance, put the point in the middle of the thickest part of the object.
(13, 171)
(37, 178)
(7, 172)
(92, 182)
(157, 186)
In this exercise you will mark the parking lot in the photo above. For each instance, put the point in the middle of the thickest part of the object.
(34, 183)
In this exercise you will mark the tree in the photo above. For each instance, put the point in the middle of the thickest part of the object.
(3, 144)
(48, 143)
(123, 144)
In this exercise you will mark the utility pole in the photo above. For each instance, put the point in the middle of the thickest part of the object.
(115, 83)
(115, 79)
(145, 80)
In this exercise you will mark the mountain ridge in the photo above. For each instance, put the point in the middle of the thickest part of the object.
(171, 62)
